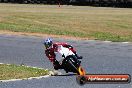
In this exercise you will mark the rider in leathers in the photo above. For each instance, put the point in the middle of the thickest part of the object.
(52, 49)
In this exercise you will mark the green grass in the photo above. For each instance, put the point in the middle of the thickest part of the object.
(19, 72)
(111, 37)
(114, 24)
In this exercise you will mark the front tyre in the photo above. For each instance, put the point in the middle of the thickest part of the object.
(81, 71)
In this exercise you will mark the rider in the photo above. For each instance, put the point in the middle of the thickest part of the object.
(52, 49)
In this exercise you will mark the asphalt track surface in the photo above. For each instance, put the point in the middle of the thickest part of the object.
(99, 58)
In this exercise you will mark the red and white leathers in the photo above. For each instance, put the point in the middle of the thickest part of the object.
(54, 49)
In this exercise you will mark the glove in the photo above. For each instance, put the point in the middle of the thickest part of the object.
(68, 46)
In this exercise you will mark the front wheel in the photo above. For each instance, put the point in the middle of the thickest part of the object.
(72, 64)
(81, 71)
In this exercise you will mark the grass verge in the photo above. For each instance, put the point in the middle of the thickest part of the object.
(112, 24)
(19, 72)
(111, 37)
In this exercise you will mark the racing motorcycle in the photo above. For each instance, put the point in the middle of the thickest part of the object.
(69, 61)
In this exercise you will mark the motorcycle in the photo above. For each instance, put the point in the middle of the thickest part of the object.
(70, 62)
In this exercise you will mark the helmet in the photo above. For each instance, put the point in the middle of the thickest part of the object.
(48, 43)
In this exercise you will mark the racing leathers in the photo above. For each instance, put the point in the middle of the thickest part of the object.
(54, 49)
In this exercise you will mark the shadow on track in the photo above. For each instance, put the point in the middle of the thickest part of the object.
(65, 75)
(73, 74)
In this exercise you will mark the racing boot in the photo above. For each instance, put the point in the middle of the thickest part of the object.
(57, 65)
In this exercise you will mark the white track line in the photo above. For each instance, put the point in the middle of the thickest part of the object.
(108, 41)
(11, 80)
(125, 42)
